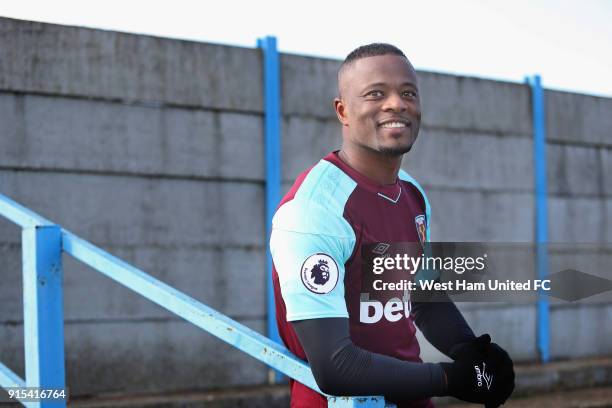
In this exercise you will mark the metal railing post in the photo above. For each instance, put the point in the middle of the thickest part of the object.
(541, 213)
(272, 118)
(43, 312)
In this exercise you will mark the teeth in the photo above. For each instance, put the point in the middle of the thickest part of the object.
(394, 125)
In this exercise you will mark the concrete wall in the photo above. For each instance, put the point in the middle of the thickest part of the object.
(153, 149)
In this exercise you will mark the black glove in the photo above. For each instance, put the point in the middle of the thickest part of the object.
(482, 372)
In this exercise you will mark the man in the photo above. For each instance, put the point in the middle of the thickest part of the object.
(353, 200)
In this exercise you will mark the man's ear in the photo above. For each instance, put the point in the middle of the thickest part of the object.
(340, 109)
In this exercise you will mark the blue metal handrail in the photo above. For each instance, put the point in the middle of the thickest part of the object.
(43, 243)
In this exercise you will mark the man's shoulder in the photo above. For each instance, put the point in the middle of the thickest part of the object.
(407, 178)
(316, 201)
(404, 176)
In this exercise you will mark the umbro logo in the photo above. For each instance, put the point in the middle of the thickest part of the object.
(381, 248)
(483, 376)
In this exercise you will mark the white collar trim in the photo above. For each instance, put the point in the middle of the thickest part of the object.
(390, 199)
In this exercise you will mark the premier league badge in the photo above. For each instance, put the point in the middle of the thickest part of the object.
(319, 273)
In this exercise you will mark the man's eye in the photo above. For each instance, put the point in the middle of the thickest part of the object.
(410, 94)
(374, 93)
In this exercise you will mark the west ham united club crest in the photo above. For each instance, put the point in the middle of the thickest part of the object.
(421, 228)
(319, 273)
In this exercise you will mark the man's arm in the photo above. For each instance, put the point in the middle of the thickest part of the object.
(442, 323)
(342, 368)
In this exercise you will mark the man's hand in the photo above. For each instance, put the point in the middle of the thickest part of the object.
(482, 372)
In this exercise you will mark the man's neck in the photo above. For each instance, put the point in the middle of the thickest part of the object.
(378, 167)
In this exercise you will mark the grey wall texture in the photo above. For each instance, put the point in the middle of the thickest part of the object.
(153, 149)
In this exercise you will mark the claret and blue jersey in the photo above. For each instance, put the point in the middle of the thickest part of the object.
(319, 231)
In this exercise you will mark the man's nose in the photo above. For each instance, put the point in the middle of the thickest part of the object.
(395, 103)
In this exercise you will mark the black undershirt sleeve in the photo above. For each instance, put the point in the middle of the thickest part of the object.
(342, 368)
(442, 323)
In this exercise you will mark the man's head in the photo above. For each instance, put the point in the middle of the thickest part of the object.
(378, 100)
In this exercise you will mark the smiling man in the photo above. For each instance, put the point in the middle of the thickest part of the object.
(380, 110)
(354, 202)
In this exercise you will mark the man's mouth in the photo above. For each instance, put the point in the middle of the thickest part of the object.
(394, 123)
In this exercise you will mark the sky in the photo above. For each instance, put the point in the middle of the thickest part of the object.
(567, 42)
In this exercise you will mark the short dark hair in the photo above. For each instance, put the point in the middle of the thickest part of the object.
(372, 50)
(369, 50)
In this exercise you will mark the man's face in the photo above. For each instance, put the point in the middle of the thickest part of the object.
(379, 104)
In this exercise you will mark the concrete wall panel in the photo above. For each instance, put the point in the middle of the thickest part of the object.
(308, 86)
(305, 141)
(62, 133)
(146, 356)
(606, 165)
(61, 60)
(481, 216)
(512, 327)
(114, 210)
(576, 118)
(457, 102)
(608, 220)
(442, 158)
(574, 170)
(576, 219)
(231, 281)
(581, 331)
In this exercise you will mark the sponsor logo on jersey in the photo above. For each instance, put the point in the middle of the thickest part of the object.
(373, 311)
(319, 273)
(421, 228)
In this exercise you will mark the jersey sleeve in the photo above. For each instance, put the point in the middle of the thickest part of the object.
(309, 247)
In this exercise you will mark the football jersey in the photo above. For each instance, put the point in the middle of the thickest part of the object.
(323, 225)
